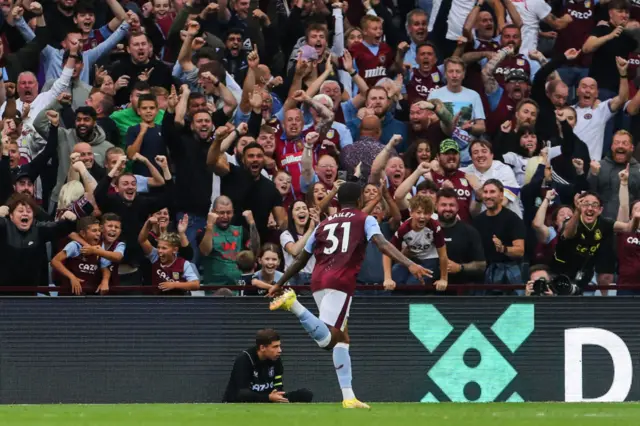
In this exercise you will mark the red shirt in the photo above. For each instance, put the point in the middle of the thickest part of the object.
(505, 110)
(577, 32)
(511, 62)
(340, 245)
(172, 273)
(372, 67)
(463, 190)
(422, 84)
(628, 257)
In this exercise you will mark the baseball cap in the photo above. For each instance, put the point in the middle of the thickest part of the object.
(20, 174)
(449, 145)
(516, 74)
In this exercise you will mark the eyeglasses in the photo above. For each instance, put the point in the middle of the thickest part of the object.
(326, 166)
(592, 205)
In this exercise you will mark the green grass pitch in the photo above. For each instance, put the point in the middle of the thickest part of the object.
(493, 414)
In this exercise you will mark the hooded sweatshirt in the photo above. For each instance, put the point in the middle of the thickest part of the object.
(67, 139)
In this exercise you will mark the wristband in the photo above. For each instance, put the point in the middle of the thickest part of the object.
(237, 133)
(624, 76)
(353, 74)
(461, 267)
(216, 84)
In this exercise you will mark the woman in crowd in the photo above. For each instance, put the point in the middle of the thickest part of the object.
(302, 223)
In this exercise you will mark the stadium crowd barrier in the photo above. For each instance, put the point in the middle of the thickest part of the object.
(404, 348)
(459, 289)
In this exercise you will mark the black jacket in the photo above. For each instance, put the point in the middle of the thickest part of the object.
(252, 380)
(193, 178)
(161, 76)
(546, 127)
(24, 254)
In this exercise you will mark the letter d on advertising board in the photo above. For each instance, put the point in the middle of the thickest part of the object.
(574, 340)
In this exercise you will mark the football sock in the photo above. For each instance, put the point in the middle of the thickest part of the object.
(316, 328)
(342, 363)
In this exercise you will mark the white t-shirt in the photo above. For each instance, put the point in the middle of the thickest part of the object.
(531, 12)
(458, 13)
(286, 238)
(504, 174)
(466, 98)
(590, 126)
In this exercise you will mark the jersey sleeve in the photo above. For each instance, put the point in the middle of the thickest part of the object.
(189, 272)
(478, 109)
(438, 234)
(72, 249)
(398, 237)
(311, 242)
(277, 380)
(153, 256)
(104, 263)
(371, 227)
(552, 234)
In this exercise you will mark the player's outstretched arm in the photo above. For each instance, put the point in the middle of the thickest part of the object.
(390, 250)
(297, 266)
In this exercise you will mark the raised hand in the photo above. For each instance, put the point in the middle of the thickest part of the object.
(253, 58)
(183, 224)
(624, 175)
(595, 167)
(53, 117)
(193, 28)
(212, 218)
(161, 161)
(248, 216)
(622, 65)
(506, 126)
(578, 164)
(550, 195)
(173, 98)
(256, 100)
(147, 9)
(64, 98)
(198, 43)
(121, 82)
(144, 75)
(242, 128)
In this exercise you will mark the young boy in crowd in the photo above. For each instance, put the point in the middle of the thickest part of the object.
(111, 249)
(422, 239)
(146, 138)
(81, 269)
(246, 262)
(170, 274)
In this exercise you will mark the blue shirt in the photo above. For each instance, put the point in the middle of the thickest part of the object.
(152, 145)
(53, 57)
(390, 127)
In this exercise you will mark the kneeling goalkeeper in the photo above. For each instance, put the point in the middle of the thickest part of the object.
(257, 374)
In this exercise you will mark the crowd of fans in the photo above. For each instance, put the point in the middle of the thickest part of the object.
(189, 144)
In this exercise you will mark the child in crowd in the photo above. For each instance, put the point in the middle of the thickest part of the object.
(246, 262)
(421, 238)
(268, 274)
(170, 274)
(82, 270)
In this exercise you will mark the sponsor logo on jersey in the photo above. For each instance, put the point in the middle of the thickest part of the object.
(581, 15)
(88, 268)
(272, 372)
(375, 72)
(163, 275)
